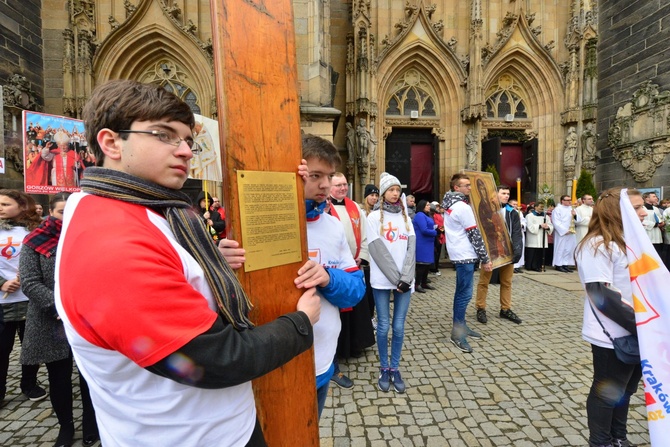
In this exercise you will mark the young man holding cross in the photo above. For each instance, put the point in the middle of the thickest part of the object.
(158, 323)
(340, 283)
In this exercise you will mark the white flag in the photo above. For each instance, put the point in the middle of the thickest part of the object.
(650, 283)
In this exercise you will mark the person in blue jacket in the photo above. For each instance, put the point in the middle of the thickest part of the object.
(331, 268)
(424, 227)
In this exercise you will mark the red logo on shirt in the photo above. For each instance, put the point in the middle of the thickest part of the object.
(8, 250)
(391, 233)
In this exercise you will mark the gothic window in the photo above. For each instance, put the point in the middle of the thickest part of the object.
(173, 79)
(506, 98)
(393, 107)
(411, 103)
(412, 92)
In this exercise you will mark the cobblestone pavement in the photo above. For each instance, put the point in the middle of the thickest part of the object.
(524, 385)
(26, 423)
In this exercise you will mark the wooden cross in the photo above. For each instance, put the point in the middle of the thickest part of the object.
(259, 123)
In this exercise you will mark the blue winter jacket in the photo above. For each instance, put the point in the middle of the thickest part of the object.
(424, 227)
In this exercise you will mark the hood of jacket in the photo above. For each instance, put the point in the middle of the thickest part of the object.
(201, 196)
(452, 197)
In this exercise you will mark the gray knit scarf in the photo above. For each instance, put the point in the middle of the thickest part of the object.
(188, 228)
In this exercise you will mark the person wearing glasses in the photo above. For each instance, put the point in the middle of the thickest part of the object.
(331, 266)
(466, 248)
(564, 218)
(159, 323)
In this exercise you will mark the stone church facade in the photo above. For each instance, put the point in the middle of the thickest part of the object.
(634, 91)
(419, 88)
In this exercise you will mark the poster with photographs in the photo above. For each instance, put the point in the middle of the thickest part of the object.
(490, 220)
(55, 153)
(206, 162)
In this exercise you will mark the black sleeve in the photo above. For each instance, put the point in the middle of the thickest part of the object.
(608, 301)
(217, 223)
(225, 357)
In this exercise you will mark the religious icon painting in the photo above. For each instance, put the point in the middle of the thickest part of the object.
(490, 219)
(55, 153)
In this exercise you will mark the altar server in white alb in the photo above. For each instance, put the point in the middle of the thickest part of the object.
(564, 219)
(585, 211)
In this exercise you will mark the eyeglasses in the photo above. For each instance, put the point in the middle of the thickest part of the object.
(167, 138)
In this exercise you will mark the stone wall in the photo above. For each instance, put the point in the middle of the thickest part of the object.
(21, 43)
(634, 47)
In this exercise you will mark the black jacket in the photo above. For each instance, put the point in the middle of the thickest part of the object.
(513, 222)
(217, 223)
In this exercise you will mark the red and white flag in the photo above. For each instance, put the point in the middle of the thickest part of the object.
(650, 281)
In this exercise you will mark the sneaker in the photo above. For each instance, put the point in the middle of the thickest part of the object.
(481, 316)
(89, 440)
(428, 287)
(437, 273)
(398, 384)
(36, 394)
(622, 443)
(384, 382)
(510, 315)
(470, 333)
(462, 344)
(342, 381)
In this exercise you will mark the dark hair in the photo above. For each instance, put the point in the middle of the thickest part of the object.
(421, 206)
(321, 149)
(457, 178)
(503, 187)
(28, 217)
(117, 104)
(58, 198)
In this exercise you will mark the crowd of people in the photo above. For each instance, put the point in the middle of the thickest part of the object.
(127, 331)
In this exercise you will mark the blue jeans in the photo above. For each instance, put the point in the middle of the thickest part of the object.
(321, 394)
(400, 309)
(463, 292)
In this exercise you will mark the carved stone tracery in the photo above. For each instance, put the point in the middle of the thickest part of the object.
(640, 134)
(19, 94)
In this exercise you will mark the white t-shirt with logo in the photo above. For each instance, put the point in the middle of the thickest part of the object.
(11, 242)
(395, 233)
(328, 247)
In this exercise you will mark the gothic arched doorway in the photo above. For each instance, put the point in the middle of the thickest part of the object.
(412, 155)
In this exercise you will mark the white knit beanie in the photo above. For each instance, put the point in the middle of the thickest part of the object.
(386, 180)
